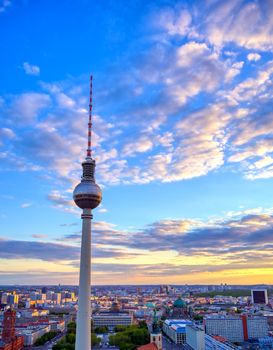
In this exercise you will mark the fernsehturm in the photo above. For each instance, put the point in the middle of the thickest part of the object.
(87, 195)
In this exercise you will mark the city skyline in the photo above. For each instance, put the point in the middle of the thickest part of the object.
(183, 140)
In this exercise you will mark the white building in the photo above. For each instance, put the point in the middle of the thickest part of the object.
(195, 337)
(228, 327)
(216, 343)
(176, 330)
(237, 329)
(31, 334)
(112, 319)
(257, 327)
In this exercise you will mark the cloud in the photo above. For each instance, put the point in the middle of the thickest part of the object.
(181, 108)
(62, 202)
(31, 69)
(39, 236)
(253, 57)
(12, 249)
(26, 107)
(7, 133)
(174, 22)
(69, 225)
(102, 210)
(4, 4)
(143, 144)
(170, 248)
(26, 205)
(229, 23)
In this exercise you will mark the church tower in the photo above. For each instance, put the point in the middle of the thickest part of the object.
(156, 335)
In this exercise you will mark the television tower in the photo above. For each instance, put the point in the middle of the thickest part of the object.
(87, 196)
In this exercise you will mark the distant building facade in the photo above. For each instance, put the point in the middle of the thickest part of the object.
(31, 334)
(176, 330)
(195, 337)
(112, 319)
(237, 329)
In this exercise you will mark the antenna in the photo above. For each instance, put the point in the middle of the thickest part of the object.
(89, 144)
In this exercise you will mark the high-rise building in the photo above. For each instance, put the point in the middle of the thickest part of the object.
(87, 196)
(13, 299)
(259, 296)
(195, 337)
(4, 298)
(237, 329)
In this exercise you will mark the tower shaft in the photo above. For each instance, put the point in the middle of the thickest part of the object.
(83, 332)
(87, 196)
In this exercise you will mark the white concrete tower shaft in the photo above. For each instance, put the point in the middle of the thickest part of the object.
(83, 332)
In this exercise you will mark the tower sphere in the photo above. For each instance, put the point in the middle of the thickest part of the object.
(87, 195)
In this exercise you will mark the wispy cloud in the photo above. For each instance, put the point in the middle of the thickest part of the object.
(4, 4)
(253, 57)
(31, 69)
(26, 205)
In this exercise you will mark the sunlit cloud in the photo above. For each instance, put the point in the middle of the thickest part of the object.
(31, 69)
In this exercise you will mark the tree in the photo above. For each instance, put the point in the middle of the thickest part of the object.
(142, 324)
(94, 339)
(130, 337)
(71, 327)
(119, 328)
(46, 337)
(101, 330)
(70, 338)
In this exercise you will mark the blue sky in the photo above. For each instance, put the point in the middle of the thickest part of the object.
(183, 139)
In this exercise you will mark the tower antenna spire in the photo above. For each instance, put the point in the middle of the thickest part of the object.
(89, 143)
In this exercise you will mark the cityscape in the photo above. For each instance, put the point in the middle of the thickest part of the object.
(136, 175)
(201, 317)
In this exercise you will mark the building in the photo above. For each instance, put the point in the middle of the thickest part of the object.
(9, 340)
(31, 334)
(8, 332)
(87, 196)
(57, 326)
(259, 296)
(176, 330)
(237, 329)
(112, 319)
(257, 327)
(12, 299)
(266, 343)
(218, 343)
(179, 309)
(195, 337)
